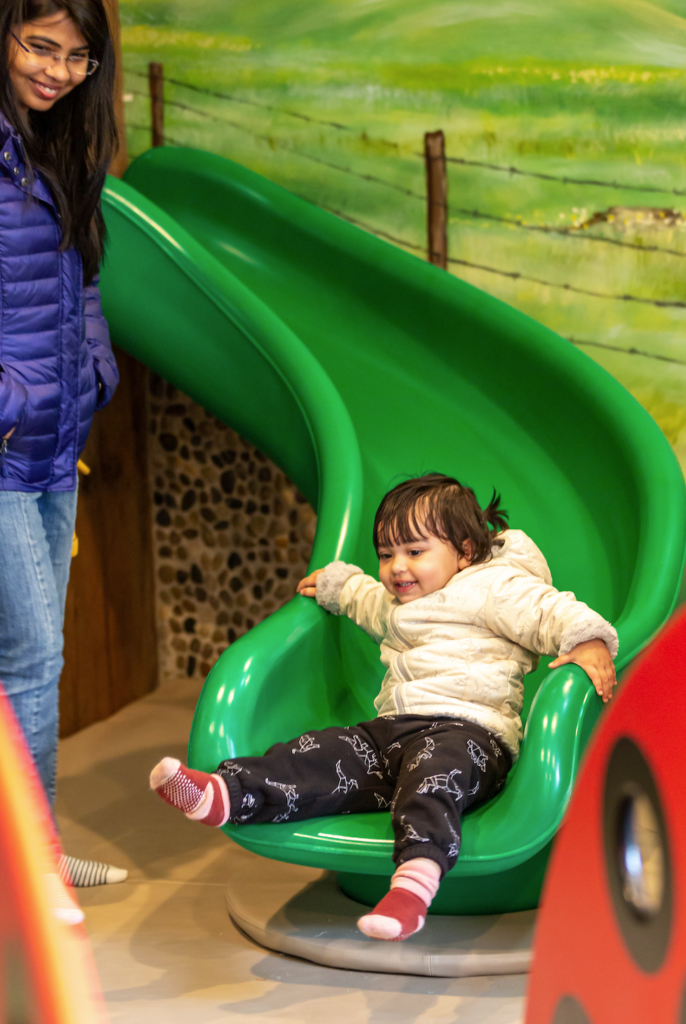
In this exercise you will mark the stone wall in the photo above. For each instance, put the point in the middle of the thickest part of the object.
(232, 535)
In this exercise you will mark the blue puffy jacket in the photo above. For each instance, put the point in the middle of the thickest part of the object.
(56, 362)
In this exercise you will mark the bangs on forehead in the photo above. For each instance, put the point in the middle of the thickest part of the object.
(436, 505)
(412, 520)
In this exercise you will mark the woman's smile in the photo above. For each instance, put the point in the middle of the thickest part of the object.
(45, 91)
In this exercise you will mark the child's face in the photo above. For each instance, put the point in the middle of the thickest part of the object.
(419, 567)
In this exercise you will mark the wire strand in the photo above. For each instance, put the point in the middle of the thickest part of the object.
(271, 141)
(513, 274)
(564, 179)
(516, 275)
(627, 351)
(568, 232)
(232, 98)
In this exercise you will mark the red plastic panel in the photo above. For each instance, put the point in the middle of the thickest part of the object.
(47, 975)
(611, 937)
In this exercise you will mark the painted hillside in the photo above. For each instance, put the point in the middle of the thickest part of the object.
(585, 100)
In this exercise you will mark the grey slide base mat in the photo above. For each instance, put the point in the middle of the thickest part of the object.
(302, 912)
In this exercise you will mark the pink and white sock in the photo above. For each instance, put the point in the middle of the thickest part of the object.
(201, 797)
(402, 912)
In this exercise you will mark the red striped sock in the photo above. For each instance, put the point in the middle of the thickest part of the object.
(201, 797)
(399, 915)
(402, 912)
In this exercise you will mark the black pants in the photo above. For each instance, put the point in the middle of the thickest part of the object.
(427, 771)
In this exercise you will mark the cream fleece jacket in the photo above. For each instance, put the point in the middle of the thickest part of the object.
(463, 650)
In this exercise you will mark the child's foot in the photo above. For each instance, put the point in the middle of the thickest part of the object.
(402, 912)
(399, 915)
(200, 796)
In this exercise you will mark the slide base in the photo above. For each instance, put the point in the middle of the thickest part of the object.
(302, 912)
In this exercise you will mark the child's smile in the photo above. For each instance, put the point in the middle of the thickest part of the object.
(419, 567)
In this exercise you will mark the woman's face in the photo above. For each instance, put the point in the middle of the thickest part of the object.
(36, 87)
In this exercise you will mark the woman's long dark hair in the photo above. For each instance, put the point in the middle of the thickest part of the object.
(71, 144)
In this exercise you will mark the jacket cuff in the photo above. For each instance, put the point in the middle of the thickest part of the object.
(331, 582)
(598, 629)
(107, 377)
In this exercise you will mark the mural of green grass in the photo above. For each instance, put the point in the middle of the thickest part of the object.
(573, 88)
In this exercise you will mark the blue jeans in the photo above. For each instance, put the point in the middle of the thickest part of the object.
(36, 531)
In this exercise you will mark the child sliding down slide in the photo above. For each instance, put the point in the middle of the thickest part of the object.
(462, 611)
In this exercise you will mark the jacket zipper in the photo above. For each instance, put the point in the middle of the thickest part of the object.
(3, 452)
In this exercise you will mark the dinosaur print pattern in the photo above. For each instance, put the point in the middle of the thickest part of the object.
(411, 831)
(382, 801)
(424, 755)
(248, 803)
(477, 755)
(496, 747)
(443, 782)
(345, 785)
(365, 753)
(305, 744)
(291, 795)
(454, 848)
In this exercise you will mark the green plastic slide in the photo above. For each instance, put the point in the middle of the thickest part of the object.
(352, 364)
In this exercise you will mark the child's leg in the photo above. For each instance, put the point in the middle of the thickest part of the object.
(326, 772)
(445, 768)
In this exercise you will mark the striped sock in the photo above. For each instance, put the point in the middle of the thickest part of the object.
(201, 797)
(403, 910)
(84, 873)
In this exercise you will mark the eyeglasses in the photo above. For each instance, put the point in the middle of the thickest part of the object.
(44, 57)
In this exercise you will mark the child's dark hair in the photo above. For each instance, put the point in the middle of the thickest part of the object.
(441, 506)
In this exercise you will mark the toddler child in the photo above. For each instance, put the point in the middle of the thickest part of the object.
(462, 611)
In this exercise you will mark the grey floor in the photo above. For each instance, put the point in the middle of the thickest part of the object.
(164, 945)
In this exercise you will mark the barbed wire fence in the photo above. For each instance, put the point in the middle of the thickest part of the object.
(435, 198)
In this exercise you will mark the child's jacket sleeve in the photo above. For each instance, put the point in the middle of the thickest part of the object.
(345, 590)
(542, 619)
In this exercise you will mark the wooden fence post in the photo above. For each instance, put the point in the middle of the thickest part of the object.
(436, 198)
(156, 75)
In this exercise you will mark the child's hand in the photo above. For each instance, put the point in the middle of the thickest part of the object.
(308, 586)
(595, 659)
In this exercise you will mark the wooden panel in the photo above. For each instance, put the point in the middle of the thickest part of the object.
(120, 159)
(110, 639)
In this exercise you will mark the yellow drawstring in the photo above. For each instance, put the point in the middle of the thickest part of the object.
(82, 468)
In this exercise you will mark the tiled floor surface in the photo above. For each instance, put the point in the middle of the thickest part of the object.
(165, 948)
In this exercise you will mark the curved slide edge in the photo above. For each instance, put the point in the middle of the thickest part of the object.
(171, 305)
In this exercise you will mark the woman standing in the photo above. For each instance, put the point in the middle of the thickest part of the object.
(57, 136)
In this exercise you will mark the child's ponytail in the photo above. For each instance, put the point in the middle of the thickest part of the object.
(495, 515)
